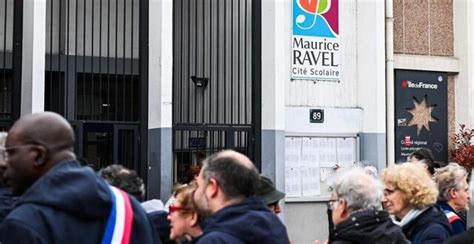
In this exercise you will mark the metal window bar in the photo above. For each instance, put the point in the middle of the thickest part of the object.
(92, 39)
(94, 70)
(7, 10)
(213, 43)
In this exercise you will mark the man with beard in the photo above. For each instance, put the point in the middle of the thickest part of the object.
(226, 186)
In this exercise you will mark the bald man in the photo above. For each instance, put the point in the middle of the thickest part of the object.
(61, 201)
(225, 197)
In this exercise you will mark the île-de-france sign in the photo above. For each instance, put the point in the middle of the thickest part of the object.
(315, 42)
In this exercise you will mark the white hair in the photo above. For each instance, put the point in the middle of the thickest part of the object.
(449, 177)
(358, 188)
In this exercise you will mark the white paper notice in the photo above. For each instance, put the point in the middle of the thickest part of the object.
(292, 151)
(310, 183)
(310, 152)
(328, 157)
(292, 182)
(346, 151)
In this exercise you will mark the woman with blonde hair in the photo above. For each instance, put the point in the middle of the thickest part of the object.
(183, 217)
(410, 195)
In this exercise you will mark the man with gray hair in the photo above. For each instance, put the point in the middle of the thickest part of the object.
(355, 208)
(467, 236)
(454, 195)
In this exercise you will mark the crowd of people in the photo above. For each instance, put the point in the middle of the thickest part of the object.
(47, 196)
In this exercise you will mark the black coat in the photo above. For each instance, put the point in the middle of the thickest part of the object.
(465, 238)
(458, 221)
(69, 204)
(368, 226)
(430, 227)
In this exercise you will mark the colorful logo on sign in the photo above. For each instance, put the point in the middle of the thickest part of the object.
(316, 18)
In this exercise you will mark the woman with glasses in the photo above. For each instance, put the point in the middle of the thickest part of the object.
(183, 217)
(410, 195)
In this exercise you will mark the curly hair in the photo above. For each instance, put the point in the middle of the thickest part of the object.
(124, 179)
(449, 177)
(417, 187)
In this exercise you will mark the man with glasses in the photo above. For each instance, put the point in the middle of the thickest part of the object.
(355, 209)
(226, 188)
(60, 200)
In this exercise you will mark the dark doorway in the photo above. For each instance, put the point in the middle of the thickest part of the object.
(103, 144)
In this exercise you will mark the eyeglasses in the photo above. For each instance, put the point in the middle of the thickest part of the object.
(173, 208)
(5, 151)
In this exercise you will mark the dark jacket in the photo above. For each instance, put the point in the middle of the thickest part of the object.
(161, 225)
(431, 226)
(368, 226)
(457, 220)
(465, 238)
(247, 222)
(6, 202)
(69, 204)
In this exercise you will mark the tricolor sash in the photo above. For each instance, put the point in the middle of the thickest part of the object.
(119, 224)
(451, 216)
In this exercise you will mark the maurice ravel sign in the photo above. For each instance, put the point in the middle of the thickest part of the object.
(315, 41)
(421, 113)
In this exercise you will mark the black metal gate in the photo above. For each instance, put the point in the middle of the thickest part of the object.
(95, 77)
(216, 80)
(11, 14)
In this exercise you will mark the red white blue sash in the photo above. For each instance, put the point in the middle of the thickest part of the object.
(451, 216)
(119, 224)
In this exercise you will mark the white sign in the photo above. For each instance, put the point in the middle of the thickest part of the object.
(315, 43)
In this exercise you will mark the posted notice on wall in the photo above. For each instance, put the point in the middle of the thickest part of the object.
(315, 42)
(310, 163)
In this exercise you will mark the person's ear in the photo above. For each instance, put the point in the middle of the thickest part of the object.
(212, 188)
(41, 156)
(343, 208)
(194, 219)
(453, 193)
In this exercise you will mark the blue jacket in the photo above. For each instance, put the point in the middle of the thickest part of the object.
(457, 220)
(247, 222)
(7, 200)
(69, 204)
(430, 227)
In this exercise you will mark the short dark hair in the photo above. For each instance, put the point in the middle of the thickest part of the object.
(124, 179)
(233, 177)
(427, 157)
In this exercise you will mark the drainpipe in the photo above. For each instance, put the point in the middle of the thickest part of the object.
(389, 73)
